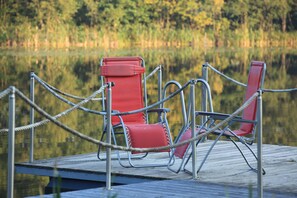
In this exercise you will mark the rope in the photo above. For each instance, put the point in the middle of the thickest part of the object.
(60, 92)
(116, 147)
(242, 84)
(65, 100)
(60, 114)
(225, 76)
(279, 90)
(157, 103)
(4, 93)
(152, 73)
(75, 106)
(78, 106)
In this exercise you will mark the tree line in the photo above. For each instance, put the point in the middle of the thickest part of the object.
(64, 23)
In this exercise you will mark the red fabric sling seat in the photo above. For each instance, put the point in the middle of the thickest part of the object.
(147, 136)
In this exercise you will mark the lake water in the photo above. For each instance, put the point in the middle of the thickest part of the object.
(76, 72)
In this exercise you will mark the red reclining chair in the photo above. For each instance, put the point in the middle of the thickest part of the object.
(246, 131)
(128, 94)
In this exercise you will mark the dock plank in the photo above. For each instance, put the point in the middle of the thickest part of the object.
(225, 166)
(171, 188)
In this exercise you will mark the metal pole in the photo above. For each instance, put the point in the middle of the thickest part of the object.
(160, 84)
(259, 146)
(103, 101)
(193, 125)
(204, 94)
(108, 138)
(31, 159)
(11, 138)
(204, 90)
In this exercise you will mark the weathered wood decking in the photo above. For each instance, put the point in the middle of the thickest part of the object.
(171, 188)
(225, 166)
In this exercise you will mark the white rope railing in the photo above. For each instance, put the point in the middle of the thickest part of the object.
(63, 99)
(117, 147)
(45, 84)
(53, 90)
(280, 90)
(152, 73)
(76, 106)
(242, 84)
(225, 76)
(5, 93)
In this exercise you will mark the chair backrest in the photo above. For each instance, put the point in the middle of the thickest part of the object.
(255, 81)
(127, 94)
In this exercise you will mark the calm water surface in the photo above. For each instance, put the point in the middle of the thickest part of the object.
(76, 72)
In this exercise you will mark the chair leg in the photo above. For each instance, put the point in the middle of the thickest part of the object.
(208, 152)
(182, 163)
(243, 142)
(206, 156)
(213, 144)
(99, 147)
(189, 157)
(171, 161)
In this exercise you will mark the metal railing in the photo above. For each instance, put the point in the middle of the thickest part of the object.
(12, 91)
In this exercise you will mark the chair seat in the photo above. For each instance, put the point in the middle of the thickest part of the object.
(181, 150)
(147, 136)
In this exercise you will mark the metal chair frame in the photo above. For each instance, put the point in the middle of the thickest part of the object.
(212, 117)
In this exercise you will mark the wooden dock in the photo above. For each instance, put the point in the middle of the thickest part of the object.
(171, 188)
(224, 167)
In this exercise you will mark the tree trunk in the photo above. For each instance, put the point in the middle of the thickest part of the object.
(284, 22)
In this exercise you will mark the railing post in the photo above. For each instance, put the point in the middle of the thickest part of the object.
(204, 93)
(11, 138)
(31, 158)
(193, 126)
(160, 84)
(108, 137)
(259, 146)
(103, 102)
(204, 89)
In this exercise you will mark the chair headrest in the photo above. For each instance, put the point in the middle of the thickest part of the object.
(257, 63)
(121, 70)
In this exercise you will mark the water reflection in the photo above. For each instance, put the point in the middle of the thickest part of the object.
(76, 72)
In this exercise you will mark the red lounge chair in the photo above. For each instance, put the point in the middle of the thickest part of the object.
(128, 95)
(246, 132)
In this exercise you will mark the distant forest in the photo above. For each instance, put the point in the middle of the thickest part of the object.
(147, 23)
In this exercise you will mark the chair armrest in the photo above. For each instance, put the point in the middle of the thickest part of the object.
(223, 116)
(113, 112)
(159, 110)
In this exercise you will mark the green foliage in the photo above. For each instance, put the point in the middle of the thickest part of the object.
(65, 23)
